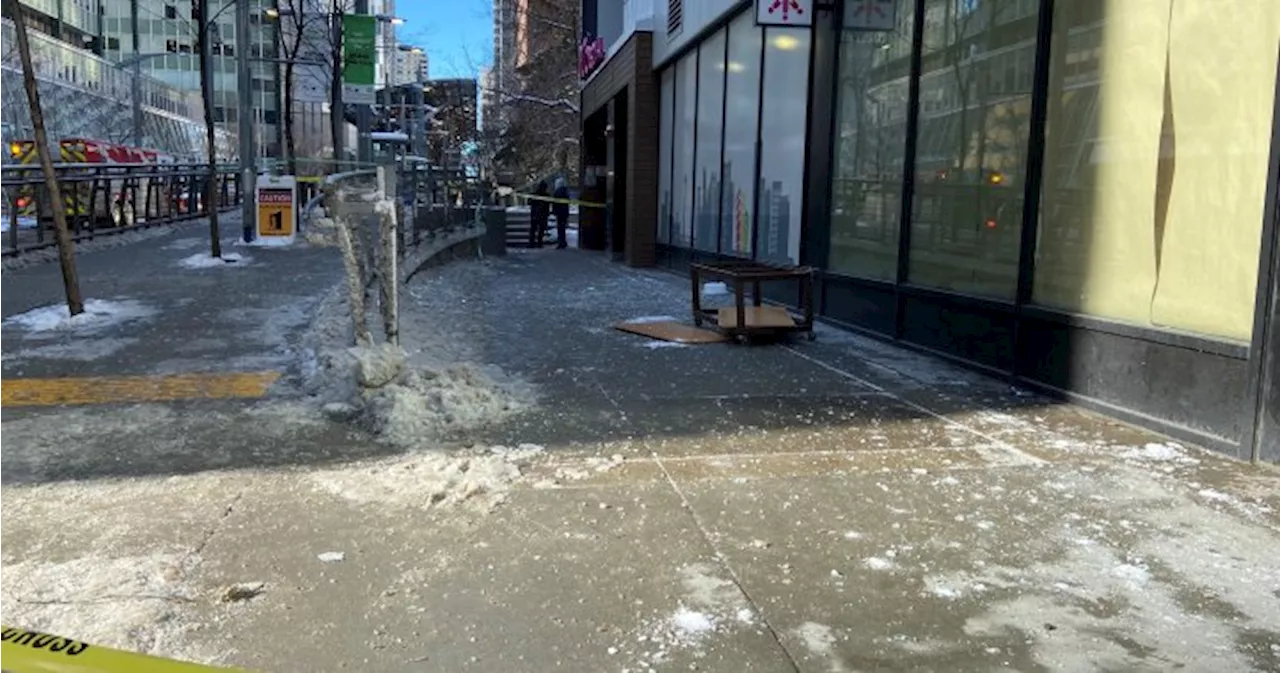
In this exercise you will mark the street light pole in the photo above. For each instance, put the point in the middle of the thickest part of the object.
(244, 80)
(136, 86)
(364, 113)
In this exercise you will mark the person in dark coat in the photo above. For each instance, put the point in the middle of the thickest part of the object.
(539, 210)
(561, 210)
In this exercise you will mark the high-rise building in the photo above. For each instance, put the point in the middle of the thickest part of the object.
(409, 66)
(168, 32)
(488, 99)
(504, 75)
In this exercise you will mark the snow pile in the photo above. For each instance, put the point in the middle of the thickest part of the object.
(430, 479)
(202, 260)
(582, 470)
(407, 407)
(99, 315)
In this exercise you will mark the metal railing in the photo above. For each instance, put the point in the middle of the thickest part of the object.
(105, 199)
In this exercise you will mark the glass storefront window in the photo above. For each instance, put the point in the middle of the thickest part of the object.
(970, 163)
(706, 203)
(782, 143)
(1157, 132)
(870, 144)
(682, 172)
(742, 105)
(664, 154)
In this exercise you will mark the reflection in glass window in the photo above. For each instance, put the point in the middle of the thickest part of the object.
(706, 199)
(782, 141)
(1158, 125)
(870, 140)
(664, 154)
(682, 174)
(742, 103)
(975, 109)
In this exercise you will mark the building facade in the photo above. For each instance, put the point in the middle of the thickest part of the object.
(169, 31)
(408, 66)
(1076, 195)
(503, 76)
(86, 96)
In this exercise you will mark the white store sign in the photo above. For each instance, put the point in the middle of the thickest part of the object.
(784, 12)
(878, 15)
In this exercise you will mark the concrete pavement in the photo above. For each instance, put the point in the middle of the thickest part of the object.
(836, 506)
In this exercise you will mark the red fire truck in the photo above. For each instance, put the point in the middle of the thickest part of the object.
(122, 204)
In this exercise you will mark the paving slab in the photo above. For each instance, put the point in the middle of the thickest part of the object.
(584, 579)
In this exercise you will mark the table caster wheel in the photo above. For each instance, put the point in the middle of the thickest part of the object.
(811, 336)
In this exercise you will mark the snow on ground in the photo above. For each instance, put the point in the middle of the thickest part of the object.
(98, 315)
(108, 240)
(711, 606)
(203, 260)
(267, 242)
(146, 593)
(24, 222)
(430, 479)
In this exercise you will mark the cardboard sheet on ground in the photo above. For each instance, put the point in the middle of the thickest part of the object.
(756, 316)
(669, 330)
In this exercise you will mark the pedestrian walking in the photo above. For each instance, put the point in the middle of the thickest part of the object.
(539, 210)
(561, 210)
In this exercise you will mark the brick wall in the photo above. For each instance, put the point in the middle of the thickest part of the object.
(632, 68)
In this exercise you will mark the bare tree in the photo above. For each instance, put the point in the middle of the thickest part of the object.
(541, 108)
(66, 249)
(310, 43)
(206, 93)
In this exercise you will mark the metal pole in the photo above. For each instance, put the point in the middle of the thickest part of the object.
(276, 87)
(244, 82)
(136, 85)
(364, 113)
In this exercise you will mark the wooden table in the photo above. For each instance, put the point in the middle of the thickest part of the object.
(740, 320)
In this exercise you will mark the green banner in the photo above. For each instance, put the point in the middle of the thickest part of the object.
(359, 55)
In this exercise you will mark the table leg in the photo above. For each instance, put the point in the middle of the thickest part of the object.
(756, 298)
(740, 302)
(697, 297)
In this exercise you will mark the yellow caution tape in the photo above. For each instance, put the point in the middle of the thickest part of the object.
(24, 651)
(572, 202)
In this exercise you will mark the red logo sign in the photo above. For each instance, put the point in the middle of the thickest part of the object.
(787, 6)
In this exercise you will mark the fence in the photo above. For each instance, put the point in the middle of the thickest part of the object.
(107, 199)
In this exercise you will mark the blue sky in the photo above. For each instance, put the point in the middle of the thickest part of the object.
(457, 34)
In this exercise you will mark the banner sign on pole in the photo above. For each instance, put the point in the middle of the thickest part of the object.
(784, 13)
(359, 56)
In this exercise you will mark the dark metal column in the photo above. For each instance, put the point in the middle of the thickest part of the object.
(1262, 422)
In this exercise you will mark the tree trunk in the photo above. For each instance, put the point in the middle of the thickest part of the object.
(206, 94)
(290, 149)
(66, 247)
(337, 118)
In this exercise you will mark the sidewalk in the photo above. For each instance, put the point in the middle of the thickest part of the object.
(840, 505)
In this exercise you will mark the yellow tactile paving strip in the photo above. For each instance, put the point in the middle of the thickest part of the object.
(133, 389)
